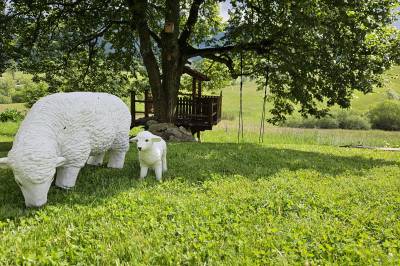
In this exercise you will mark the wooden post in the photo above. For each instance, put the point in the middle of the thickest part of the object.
(220, 107)
(133, 108)
(193, 95)
(199, 107)
(199, 89)
(198, 136)
(146, 105)
(194, 87)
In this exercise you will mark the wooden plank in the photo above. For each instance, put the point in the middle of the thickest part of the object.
(371, 147)
(133, 108)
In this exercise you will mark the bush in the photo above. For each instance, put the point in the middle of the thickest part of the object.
(386, 116)
(5, 99)
(34, 92)
(325, 123)
(352, 120)
(342, 119)
(11, 115)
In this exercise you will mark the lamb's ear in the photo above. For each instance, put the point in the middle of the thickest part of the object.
(4, 162)
(135, 139)
(156, 139)
(60, 161)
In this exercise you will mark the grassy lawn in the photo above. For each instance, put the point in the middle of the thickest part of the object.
(292, 200)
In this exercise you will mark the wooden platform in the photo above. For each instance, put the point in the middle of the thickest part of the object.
(195, 113)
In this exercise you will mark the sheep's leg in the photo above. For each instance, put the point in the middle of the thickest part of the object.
(66, 177)
(117, 159)
(143, 171)
(158, 170)
(96, 159)
(164, 162)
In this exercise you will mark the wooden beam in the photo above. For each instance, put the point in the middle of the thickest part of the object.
(199, 89)
(133, 108)
(193, 95)
(146, 104)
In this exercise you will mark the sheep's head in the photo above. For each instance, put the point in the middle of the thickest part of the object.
(144, 140)
(33, 175)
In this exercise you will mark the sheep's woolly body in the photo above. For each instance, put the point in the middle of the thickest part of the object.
(70, 125)
(152, 153)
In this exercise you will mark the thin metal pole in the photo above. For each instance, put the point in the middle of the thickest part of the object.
(262, 122)
(240, 129)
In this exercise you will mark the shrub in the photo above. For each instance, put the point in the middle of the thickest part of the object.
(11, 115)
(352, 120)
(5, 99)
(385, 115)
(325, 123)
(342, 119)
(34, 92)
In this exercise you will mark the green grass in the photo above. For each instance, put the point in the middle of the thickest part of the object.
(220, 203)
(17, 106)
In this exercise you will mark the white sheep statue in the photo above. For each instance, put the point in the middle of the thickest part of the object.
(152, 153)
(63, 131)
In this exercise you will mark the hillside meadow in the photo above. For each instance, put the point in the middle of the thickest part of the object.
(296, 199)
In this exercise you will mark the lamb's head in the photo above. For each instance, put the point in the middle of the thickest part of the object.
(33, 173)
(144, 140)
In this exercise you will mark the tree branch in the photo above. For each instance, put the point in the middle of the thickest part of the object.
(260, 47)
(138, 9)
(224, 60)
(91, 37)
(63, 3)
(155, 37)
(91, 52)
(191, 21)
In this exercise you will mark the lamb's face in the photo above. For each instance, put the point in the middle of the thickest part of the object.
(34, 176)
(144, 140)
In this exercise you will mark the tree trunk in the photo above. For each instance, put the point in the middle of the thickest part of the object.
(171, 65)
(165, 83)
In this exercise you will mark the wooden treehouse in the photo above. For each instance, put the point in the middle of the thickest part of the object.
(194, 111)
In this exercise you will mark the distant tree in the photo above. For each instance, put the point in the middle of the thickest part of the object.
(313, 52)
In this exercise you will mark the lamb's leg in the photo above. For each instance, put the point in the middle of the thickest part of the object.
(164, 162)
(158, 170)
(117, 159)
(96, 159)
(143, 171)
(66, 177)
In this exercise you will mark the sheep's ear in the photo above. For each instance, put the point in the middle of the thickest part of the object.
(135, 139)
(60, 161)
(155, 139)
(4, 162)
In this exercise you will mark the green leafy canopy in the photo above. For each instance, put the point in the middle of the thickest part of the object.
(314, 53)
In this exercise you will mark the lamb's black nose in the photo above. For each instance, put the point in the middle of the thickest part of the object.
(139, 148)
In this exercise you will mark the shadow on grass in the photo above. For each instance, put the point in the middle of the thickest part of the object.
(5, 147)
(191, 162)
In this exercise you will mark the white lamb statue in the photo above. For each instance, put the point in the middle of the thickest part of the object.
(152, 153)
(64, 131)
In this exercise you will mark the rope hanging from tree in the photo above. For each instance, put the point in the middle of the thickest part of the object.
(262, 122)
(240, 128)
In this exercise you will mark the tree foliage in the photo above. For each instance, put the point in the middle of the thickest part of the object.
(314, 53)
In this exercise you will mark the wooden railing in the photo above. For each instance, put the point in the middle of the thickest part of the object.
(190, 111)
(206, 109)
